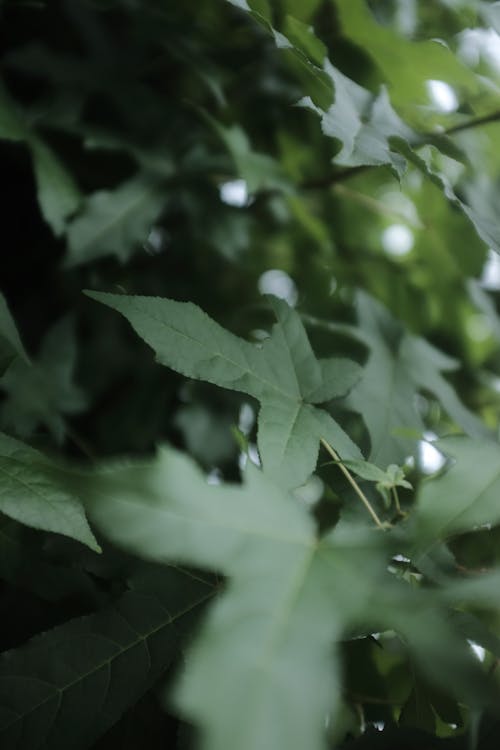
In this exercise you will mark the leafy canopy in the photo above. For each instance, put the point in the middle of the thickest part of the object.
(288, 535)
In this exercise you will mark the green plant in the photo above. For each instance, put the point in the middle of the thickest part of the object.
(238, 540)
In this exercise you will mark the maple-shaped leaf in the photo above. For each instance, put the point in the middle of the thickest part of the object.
(399, 366)
(263, 673)
(282, 373)
(44, 391)
(268, 640)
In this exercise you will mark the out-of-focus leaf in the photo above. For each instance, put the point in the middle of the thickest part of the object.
(399, 366)
(43, 392)
(405, 64)
(20, 557)
(260, 171)
(115, 222)
(66, 687)
(267, 626)
(465, 496)
(58, 194)
(290, 596)
(282, 373)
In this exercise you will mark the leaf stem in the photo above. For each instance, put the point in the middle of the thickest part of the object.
(357, 489)
(396, 501)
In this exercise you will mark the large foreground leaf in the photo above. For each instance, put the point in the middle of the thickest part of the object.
(263, 674)
(283, 374)
(65, 688)
(268, 641)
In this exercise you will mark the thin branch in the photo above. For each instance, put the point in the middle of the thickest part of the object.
(474, 123)
(357, 489)
(341, 175)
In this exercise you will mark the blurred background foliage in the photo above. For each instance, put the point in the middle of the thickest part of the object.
(157, 148)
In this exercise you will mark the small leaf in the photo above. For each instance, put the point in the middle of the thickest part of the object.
(57, 192)
(115, 222)
(32, 493)
(43, 392)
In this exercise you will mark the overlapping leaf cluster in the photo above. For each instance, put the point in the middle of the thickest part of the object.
(228, 177)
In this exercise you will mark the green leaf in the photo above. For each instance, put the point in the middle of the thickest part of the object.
(417, 711)
(10, 342)
(32, 493)
(57, 192)
(68, 686)
(115, 222)
(399, 366)
(260, 171)
(22, 552)
(290, 596)
(481, 219)
(363, 124)
(43, 392)
(465, 496)
(286, 602)
(406, 65)
(283, 374)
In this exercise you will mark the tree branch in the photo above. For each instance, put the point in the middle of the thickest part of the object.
(341, 175)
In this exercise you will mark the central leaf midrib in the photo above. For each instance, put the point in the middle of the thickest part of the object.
(211, 354)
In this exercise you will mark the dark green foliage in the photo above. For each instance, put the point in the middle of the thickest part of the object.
(220, 525)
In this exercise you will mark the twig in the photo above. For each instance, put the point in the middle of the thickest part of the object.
(357, 489)
(341, 175)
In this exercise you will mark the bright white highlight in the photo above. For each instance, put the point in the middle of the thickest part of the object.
(214, 477)
(397, 240)
(430, 459)
(478, 650)
(253, 454)
(442, 96)
(280, 284)
(490, 277)
(477, 44)
(246, 419)
(234, 193)
(311, 491)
